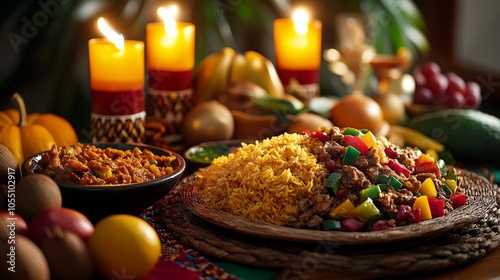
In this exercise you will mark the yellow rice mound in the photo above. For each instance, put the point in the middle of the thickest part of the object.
(264, 181)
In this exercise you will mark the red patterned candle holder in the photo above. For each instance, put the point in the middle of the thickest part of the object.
(170, 97)
(307, 80)
(118, 117)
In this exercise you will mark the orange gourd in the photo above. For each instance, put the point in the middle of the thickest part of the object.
(26, 135)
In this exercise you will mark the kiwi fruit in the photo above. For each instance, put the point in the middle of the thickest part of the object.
(68, 256)
(7, 164)
(34, 193)
(25, 258)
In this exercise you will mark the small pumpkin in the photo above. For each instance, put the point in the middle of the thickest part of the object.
(26, 135)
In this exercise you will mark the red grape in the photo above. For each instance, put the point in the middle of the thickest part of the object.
(455, 83)
(430, 69)
(472, 95)
(420, 79)
(423, 96)
(437, 84)
(456, 100)
(442, 100)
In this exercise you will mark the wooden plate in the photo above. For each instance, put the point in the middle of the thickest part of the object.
(480, 193)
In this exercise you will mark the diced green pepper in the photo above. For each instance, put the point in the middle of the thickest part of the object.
(333, 182)
(331, 225)
(451, 184)
(366, 210)
(153, 161)
(452, 174)
(395, 183)
(370, 192)
(350, 155)
(446, 190)
(442, 167)
(364, 130)
(382, 179)
(351, 131)
(69, 150)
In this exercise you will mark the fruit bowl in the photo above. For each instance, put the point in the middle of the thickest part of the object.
(99, 201)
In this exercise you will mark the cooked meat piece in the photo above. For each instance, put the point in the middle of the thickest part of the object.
(353, 177)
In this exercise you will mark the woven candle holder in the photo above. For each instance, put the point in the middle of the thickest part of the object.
(118, 129)
(169, 109)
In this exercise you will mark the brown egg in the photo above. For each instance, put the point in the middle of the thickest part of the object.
(358, 111)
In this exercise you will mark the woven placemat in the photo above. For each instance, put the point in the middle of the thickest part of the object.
(460, 246)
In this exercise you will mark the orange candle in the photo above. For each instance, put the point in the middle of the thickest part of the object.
(170, 52)
(297, 43)
(113, 69)
(116, 74)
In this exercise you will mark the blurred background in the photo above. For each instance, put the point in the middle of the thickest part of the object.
(44, 53)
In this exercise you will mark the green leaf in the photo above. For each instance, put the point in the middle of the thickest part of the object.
(412, 13)
(414, 34)
(272, 104)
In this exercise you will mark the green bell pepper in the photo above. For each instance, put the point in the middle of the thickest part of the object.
(366, 210)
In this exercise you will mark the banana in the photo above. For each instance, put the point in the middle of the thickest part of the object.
(211, 75)
(414, 138)
(267, 76)
(218, 70)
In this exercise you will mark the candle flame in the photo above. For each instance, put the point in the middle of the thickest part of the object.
(109, 33)
(168, 16)
(300, 19)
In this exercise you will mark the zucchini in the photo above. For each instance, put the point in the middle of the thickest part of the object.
(469, 134)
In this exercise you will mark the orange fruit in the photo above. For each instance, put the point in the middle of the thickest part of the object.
(124, 246)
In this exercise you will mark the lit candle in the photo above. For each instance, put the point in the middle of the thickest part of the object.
(117, 86)
(170, 52)
(297, 43)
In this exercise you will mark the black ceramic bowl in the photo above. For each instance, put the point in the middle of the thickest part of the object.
(97, 202)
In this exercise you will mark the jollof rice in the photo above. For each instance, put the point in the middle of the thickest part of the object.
(264, 181)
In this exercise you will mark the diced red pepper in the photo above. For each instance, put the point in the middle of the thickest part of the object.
(458, 199)
(383, 224)
(398, 168)
(437, 207)
(330, 165)
(428, 167)
(320, 135)
(342, 194)
(403, 212)
(390, 153)
(352, 224)
(415, 216)
(356, 142)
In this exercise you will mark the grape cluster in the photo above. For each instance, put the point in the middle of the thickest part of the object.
(448, 90)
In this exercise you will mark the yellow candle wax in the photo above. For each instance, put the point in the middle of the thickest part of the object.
(297, 44)
(114, 69)
(170, 51)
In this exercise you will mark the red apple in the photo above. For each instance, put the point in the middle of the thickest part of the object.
(54, 218)
(11, 224)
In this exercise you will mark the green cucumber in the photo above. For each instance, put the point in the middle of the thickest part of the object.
(470, 135)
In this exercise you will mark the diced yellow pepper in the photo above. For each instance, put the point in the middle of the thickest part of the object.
(428, 188)
(422, 203)
(369, 139)
(451, 184)
(342, 210)
(422, 158)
